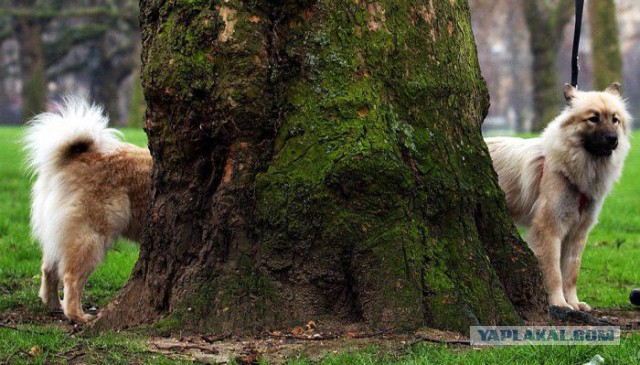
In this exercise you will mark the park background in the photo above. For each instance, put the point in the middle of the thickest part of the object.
(94, 49)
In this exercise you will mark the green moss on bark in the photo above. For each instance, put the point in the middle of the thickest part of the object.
(379, 130)
(322, 161)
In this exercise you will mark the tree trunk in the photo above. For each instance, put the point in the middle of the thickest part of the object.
(546, 23)
(321, 160)
(607, 59)
(114, 68)
(34, 88)
(137, 104)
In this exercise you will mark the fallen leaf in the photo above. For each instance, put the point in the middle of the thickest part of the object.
(35, 351)
(311, 325)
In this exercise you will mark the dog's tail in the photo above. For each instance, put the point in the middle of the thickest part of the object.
(76, 127)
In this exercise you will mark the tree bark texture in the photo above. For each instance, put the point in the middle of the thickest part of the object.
(321, 160)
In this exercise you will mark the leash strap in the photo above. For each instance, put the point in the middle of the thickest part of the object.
(576, 42)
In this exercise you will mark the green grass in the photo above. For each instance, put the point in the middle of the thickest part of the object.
(609, 273)
(627, 353)
(49, 344)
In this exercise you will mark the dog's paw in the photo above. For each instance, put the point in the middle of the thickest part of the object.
(80, 318)
(581, 306)
(560, 303)
(54, 306)
(88, 317)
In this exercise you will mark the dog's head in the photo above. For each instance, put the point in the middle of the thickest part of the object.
(598, 118)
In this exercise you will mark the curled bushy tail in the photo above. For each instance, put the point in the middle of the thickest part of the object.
(77, 127)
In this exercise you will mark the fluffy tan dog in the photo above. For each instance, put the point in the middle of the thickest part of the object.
(555, 185)
(90, 189)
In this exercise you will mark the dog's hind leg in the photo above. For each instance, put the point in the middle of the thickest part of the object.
(73, 287)
(49, 285)
(81, 260)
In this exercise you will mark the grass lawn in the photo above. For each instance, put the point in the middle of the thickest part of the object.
(610, 271)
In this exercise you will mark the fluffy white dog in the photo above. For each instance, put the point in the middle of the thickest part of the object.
(90, 189)
(555, 185)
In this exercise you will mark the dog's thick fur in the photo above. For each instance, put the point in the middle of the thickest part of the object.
(90, 189)
(555, 185)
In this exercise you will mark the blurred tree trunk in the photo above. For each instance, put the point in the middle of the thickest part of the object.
(520, 96)
(321, 160)
(45, 40)
(114, 67)
(137, 104)
(546, 21)
(607, 59)
(32, 63)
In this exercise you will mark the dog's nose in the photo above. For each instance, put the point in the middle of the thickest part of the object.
(611, 139)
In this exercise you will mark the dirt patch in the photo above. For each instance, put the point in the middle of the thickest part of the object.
(311, 341)
(20, 317)
(277, 346)
(23, 317)
(627, 319)
(315, 344)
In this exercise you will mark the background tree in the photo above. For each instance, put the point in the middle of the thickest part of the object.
(321, 160)
(47, 31)
(607, 59)
(546, 21)
(137, 105)
(504, 54)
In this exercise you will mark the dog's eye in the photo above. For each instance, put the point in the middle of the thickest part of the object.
(615, 120)
(594, 119)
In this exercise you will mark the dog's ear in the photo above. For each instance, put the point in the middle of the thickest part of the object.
(614, 89)
(569, 93)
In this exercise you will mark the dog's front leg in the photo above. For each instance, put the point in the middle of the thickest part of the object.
(544, 238)
(571, 260)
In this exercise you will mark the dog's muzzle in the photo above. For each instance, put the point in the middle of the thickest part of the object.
(601, 145)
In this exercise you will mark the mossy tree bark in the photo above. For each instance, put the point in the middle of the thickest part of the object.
(607, 59)
(321, 160)
(546, 21)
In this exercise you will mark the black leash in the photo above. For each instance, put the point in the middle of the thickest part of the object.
(576, 42)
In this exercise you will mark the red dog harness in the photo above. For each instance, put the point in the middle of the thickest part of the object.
(582, 202)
